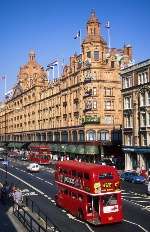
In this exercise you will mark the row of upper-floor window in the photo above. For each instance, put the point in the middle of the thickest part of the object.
(144, 138)
(144, 100)
(107, 119)
(15, 105)
(143, 121)
(142, 78)
(96, 55)
(53, 102)
(93, 104)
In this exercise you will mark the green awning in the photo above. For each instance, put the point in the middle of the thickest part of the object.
(54, 147)
(71, 148)
(16, 145)
(80, 149)
(34, 144)
(63, 148)
(91, 150)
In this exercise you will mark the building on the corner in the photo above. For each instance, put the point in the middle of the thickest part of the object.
(136, 115)
(82, 105)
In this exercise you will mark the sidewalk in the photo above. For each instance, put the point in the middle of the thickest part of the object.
(8, 221)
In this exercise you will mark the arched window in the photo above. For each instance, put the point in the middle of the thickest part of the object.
(81, 136)
(74, 136)
(103, 135)
(64, 136)
(91, 135)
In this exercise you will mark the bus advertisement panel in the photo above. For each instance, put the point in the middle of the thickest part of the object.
(88, 191)
(40, 154)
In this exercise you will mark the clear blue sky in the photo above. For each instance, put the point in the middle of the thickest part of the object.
(48, 27)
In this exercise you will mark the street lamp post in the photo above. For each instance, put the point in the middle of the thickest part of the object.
(6, 161)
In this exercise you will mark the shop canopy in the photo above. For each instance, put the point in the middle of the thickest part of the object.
(16, 145)
(80, 149)
(91, 150)
(71, 148)
(63, 148)
(54, 147)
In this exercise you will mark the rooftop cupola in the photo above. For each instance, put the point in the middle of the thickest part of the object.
(93, 26)
(31, 56)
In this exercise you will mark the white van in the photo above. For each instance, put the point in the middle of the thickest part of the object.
(33, 167)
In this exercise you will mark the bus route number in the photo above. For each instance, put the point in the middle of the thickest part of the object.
(107, 185)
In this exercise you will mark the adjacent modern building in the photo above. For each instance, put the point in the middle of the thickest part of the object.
(81, 106)
(136, 115)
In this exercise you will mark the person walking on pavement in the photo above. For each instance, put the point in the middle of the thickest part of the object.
(5, 192)
(18, 198)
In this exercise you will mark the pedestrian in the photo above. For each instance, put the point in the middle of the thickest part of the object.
(12, 190)
(17, 197)
(5, 192)
(148, 186)
(138, 170)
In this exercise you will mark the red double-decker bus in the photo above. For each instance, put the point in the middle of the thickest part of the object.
(90, 192)
(40, 154)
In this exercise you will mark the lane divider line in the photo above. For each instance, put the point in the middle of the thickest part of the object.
(133, 223)
(39, 191)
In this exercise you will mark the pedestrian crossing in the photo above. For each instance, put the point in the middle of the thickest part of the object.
(27, 192)
(141, 200)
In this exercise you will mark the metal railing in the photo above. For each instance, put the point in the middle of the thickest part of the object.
(35, 209)
(27, 220)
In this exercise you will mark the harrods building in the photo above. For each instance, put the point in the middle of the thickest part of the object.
(79, 112)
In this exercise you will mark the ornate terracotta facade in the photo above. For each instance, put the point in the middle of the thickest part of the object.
(83, 104)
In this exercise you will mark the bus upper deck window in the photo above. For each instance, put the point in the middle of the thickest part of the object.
(73, 173)
(65, 171)
(86, 176)
(80, 174)
(105, 176)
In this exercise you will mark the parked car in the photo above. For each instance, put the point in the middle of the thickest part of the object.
(136, 178)
(126, 175)
(132, 177)
(33, 167)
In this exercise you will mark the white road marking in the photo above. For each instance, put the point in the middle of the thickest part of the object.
(31, 194)
(70, 216)
(141, 227)
(143, 201)
(133, 197)
(39, 178)
(48, 182)
(39, 191)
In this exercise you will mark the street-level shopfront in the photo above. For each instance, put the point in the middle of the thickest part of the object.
(83, 152)
(89, 152)
(137, 157)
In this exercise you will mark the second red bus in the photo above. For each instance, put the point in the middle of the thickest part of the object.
(40, 154)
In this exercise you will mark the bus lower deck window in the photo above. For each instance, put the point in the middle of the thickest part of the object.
(109, 200)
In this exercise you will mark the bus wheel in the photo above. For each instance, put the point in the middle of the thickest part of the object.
(80, 214)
